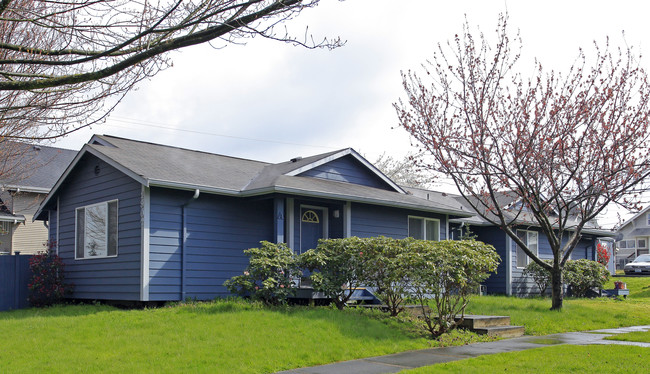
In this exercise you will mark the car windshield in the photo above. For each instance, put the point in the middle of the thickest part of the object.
(642, 258)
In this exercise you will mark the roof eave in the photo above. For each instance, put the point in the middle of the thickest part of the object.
(356, 199)
(87, 148)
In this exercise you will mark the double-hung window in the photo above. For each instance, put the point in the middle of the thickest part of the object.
(424, 228)
(530, 238)
(96, 230)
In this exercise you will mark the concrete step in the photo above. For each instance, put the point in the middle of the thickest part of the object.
(477, 321)
(501, 331)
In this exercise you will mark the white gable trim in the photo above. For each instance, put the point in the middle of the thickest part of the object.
(87, 149)
(639, 214)
(342, 153)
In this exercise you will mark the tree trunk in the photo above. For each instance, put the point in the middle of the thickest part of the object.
(556, 288)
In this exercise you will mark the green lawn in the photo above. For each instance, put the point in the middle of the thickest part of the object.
(218, 337)
(577, 314)
(554, 359)
(234, 336)
(638, 336)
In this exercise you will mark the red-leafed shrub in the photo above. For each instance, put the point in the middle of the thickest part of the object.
(47, 286)
(603, 254)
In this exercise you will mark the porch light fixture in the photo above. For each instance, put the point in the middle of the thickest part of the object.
(336, 213)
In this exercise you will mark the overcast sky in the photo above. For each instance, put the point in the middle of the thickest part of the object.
(270, 101)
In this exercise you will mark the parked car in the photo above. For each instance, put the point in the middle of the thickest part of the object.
(640, 265)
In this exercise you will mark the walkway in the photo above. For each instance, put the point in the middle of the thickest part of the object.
(413, 359)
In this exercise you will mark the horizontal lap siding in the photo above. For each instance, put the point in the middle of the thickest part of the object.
(372, 220)
(522, 285)
(347, 169)
(116, 278)
(219, 229)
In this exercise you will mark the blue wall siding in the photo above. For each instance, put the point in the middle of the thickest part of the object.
(522, 285)
(347, 169)
(373, 220)
(496, 283)
(115, 278)
(219, 229)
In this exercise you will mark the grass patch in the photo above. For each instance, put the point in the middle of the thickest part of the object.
(552, 359)
(576, 315)
(636, 336)
(216, 337)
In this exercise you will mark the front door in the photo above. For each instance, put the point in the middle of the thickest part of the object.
(312, 226)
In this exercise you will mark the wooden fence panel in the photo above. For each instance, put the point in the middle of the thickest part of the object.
(14, 277)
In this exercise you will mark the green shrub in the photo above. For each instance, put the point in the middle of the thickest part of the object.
(446, 273)
(582, 275)
(47, 286)
(541, 276)
(385, 271)
(337, 267)
(269, 276)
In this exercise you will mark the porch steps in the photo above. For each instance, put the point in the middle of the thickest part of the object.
(494, 326)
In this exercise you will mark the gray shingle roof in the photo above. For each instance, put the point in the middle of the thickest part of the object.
(522, 218)
(161, 165)
(37, 167)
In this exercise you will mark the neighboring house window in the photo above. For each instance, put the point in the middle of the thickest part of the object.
(96, 235)
(641, 243)
(648, 219)
(627, 244)
(5, 228)
(531, 240)
(424, 228)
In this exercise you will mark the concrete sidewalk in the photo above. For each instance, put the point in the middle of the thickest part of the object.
(425, 357)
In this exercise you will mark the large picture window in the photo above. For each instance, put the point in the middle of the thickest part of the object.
(424, 228)
(531, 240)
(96, 231)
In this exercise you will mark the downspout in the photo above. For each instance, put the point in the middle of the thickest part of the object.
(184, 239)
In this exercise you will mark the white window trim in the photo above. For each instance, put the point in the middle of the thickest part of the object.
(517, 247)
(424, 225)
(645, 241)
(117, 221)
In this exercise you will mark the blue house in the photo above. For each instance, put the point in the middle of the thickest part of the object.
(509, 278)
(148, 222)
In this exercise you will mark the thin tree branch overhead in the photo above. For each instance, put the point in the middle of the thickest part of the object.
(61, 61)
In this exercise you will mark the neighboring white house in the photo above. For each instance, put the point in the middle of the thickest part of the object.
(633, 236)
(36, 169)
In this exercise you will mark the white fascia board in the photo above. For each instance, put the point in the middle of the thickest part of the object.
(377, 172)
(14, 219)
(356, 199)
(11, 187)
(356, 155)
(192, 187)
(319, 162)
(87, 149)
(99, 139)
